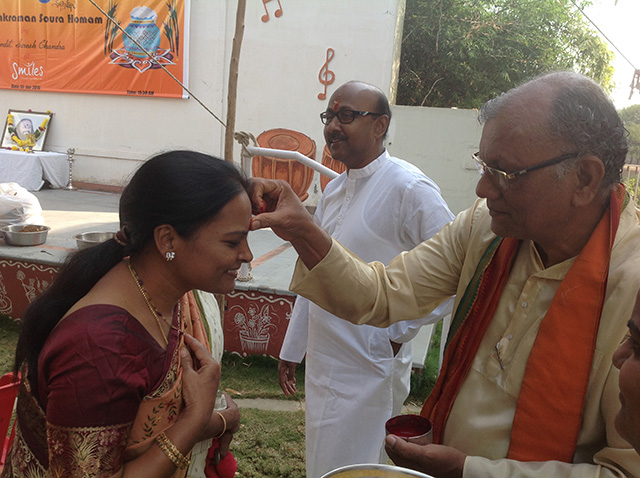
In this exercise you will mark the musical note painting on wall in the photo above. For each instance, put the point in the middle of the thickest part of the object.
(277, 13)
(326, 76)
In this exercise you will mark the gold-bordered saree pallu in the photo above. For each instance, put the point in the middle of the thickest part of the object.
(544, 428)
(158, 412)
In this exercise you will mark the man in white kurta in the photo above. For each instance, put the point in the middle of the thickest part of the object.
(553, 212)
(354, 379)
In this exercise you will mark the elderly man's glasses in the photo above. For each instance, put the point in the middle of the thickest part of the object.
(503, 179)
(344, 116)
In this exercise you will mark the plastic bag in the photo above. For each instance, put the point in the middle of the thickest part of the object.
(19, 206)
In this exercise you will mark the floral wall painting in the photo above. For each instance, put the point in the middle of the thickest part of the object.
(254, 327)
(26, 130)
(255, 322)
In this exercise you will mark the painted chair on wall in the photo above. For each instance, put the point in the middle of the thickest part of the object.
(296, 174)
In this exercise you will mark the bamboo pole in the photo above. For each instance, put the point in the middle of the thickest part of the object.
(233, 80)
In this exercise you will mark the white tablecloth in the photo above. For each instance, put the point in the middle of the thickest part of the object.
(30, 170)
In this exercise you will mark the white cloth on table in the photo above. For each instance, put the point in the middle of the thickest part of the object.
(30, 170)
(353, 383)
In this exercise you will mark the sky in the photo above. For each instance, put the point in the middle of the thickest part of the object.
(620, 23)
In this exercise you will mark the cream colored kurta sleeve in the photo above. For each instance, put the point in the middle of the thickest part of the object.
(413, 284)
(481, 418)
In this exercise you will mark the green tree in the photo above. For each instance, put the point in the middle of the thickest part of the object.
(461, 53)
(631, 118)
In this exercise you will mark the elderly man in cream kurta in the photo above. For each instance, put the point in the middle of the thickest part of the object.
(551, 152)
(357, 377)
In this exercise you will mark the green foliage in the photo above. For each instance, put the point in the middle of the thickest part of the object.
(461, 53)
(631, 118)
(630, 114)
(633, 156)
(422, 381)
(270, 444)
(632, 187)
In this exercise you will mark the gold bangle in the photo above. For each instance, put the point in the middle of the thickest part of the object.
(224, 425)
(170, 450)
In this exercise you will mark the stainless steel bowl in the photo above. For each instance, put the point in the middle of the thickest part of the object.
(373, 471)
(14, 234)
(88, 239)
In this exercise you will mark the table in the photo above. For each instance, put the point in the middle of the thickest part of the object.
(30, 170)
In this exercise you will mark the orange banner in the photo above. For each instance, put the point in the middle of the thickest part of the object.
(71, 46)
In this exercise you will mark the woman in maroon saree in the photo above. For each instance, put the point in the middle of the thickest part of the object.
(113, 381)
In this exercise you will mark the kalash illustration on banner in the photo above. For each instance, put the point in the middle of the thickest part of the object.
(142, 37)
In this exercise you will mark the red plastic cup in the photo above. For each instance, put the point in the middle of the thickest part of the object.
(412, 428)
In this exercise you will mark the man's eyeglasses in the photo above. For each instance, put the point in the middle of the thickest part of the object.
(503, 179)
(344, 116)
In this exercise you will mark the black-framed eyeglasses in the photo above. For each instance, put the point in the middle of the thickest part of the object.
(344, 116)
(503, 179)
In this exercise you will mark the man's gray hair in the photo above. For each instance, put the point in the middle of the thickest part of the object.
(582, 114)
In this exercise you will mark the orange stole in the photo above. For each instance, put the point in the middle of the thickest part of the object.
(551, 400)
(159, 410)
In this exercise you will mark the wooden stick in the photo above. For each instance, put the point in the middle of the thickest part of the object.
(233, 80)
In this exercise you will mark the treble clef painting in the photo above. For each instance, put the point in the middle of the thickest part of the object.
(278, 12)
(326, 76)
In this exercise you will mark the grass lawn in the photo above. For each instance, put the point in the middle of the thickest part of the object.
(8, 338)
(269, 443)
(256, 376)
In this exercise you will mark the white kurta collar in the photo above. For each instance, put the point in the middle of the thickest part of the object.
(370, 168)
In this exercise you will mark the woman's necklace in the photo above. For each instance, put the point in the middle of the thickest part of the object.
(154, 310)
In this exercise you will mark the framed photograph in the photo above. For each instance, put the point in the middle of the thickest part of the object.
(26, 130)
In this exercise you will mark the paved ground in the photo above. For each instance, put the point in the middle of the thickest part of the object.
(72, 212)
(269, 404)
(291, 405)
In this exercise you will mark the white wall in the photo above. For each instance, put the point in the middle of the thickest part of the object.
(440, 141)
